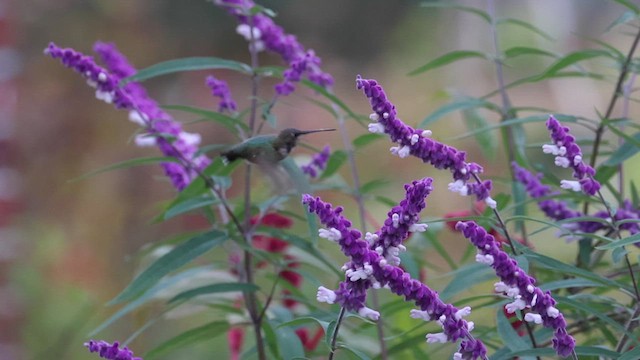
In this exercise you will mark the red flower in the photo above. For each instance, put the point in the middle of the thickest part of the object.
(309, 344)
(235, 337)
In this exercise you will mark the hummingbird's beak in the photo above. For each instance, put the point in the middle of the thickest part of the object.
(305, 132)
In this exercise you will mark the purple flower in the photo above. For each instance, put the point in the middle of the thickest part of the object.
(219, 88)
(265, 34)
(319, 162)
(368, 268)
(401, 220)
(519, 286)
(418, 143)
(160, 129)
(108, 351)
(554, 209)
(97, 77)
(568, 154)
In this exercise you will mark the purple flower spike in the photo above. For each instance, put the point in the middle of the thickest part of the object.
(519, 286)
(265, 34)
(219, 88)
(160, 129)
(568, 154)
(368, 268)
(402, 219)
(319, 162)
(554, 209)
(417, 142)
(106, 85)
(108, 351)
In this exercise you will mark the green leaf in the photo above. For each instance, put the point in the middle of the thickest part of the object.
(475, 121)
(526, 25)
(189, 205)
(568, 283)
(466, 277)
(619, 243)
(334, 163)
(508, 335)
(289, 344)
(562, 268)
(524, 50)
(447, 5)
(165, 283)
(629, 5)
(574, 58)
(591, 310)
(462, 104)
(334, 99)
(366, 139)
(626, 17)
(187, 64)
(127, 164)
(632, 354)
(357, 353)
(373, 185)
(179, 256)
(213, 289)
(448, 58)
(228, 122)
(624, 152)
(189, 337)
(518, 121)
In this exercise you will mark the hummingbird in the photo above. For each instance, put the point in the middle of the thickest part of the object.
(266, 149)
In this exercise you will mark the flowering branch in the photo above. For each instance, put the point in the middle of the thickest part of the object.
(368, 268)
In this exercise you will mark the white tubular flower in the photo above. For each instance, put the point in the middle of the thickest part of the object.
(554, 149)
(513, 292)
(518, 304)
(562, 161)
(331, 234)
(534, 318)
(501, 287)
(385, 115)
(570, 185)
(414, 139)
(138, 118)
(325, 295)
(145, 140)
(534, 301)
(401, 152)
(369, 313)
(436, 338)
(426, 133)
(490, 202)
(244, 30)
(577, 160)
(457, 356)
(374, 117)
(360, 273)
(553, 312)
(459, 186)
(420, 314)
(105, 96)
(470, 326)
(376, 128)
(465, 311)
(190, 138)
(102, 77)
(395, 219)
(421, 227)
(484, 259)
(371, 238)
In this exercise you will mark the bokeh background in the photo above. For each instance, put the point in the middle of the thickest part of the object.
(67, 247)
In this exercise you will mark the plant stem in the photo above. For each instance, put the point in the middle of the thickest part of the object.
(618, 89)
(348, 147)
(251, 301)
(334, 337)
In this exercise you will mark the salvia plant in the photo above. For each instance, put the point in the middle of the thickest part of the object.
(374, 300)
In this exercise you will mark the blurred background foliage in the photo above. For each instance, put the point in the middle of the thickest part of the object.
(78, 238)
